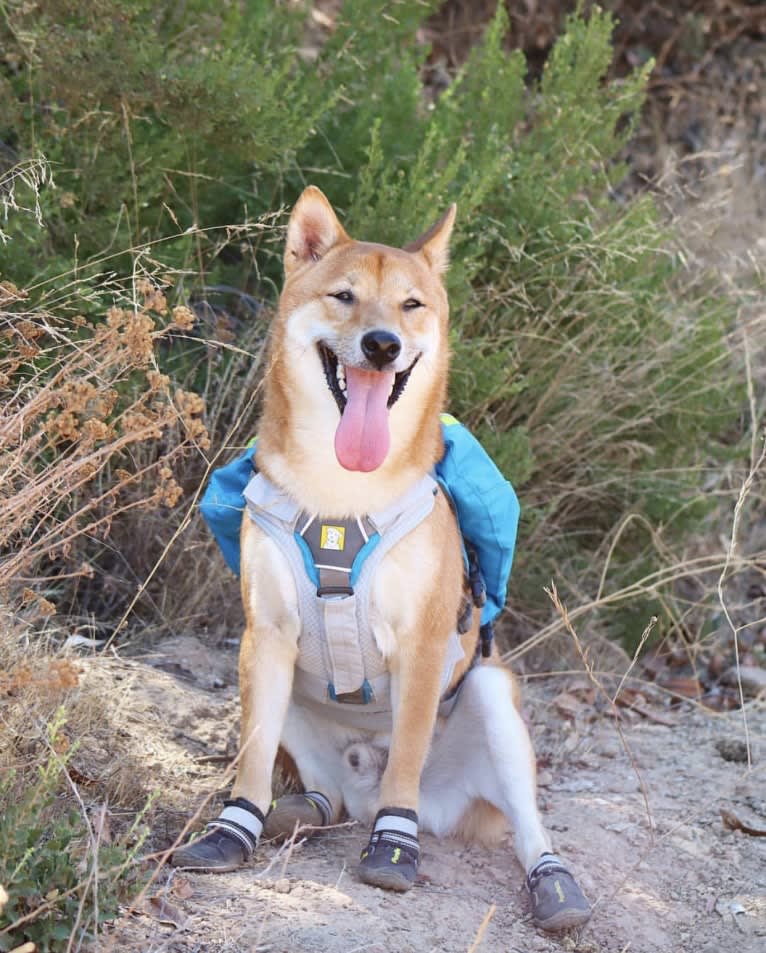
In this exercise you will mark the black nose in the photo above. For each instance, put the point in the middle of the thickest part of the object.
(381, 347)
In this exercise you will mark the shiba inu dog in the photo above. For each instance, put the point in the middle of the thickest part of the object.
(359, 656)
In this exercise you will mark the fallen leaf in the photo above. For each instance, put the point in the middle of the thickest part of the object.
(651, 715)
(568, 705)
(159, 909)
(654, 664)
(684, 686)
(79, 778)
(182, 888)
(751, 677)
(733, 823)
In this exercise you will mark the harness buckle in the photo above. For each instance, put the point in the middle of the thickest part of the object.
(475, 578)
(362, 696)
(335, 591)
(487, 635)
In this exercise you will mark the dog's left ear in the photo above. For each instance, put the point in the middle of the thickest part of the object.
(313, 229)
(434, 244)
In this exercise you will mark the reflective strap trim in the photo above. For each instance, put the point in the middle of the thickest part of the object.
(243, 818)
(546, 864)
(397, 840)
(235, 831)
(322, 803)
(394, 824)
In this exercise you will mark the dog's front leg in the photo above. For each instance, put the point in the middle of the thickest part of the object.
(391, 858)
(266, 665)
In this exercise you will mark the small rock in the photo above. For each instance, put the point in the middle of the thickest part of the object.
(544, 778)
(732, 749)
(731, 907)
(753, 679)
(283, 885)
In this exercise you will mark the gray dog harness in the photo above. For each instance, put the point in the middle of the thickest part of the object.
(333, 562)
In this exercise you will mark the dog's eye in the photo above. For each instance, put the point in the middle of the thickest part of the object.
(411, 304)
(345, 296)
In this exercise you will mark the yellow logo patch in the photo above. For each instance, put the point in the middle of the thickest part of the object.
(559, 891)
(333, 537)
(396, 855)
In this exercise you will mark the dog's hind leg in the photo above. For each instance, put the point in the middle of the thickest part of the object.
(483, 752)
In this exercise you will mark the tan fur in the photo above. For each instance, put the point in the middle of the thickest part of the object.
(482, 823)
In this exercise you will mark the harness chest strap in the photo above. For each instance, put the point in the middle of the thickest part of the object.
(333, 562)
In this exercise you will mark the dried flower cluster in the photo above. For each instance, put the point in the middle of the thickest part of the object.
(51, 679)
(75, 395)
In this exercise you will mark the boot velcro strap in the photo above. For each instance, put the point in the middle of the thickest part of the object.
(245, 805)
(393, 823)
(397, 819)
(397, 826)
(244, 836)
(242, 819)
(322, 804)
(547, 865)
(396, 840)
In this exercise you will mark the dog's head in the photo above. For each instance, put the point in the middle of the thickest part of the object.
(372, 320)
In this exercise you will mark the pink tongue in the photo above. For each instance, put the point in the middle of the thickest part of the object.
(362, 440)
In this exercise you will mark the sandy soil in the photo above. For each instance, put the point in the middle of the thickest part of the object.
(641, 826)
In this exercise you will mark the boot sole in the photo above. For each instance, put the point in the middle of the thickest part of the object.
(563, 920)
(185, 860)
(385, 878)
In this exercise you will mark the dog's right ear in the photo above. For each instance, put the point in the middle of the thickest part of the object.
(312, 231)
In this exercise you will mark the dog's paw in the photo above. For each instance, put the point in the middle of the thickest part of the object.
(557, 901)
(392, 855)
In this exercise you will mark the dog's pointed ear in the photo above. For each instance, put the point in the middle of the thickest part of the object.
(313, 229)
(434, 244)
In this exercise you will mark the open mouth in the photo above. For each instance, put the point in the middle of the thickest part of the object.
(335, 374)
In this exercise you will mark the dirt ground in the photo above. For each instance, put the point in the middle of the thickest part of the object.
(635, 809)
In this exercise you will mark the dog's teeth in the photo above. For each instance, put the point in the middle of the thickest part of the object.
(340, 373)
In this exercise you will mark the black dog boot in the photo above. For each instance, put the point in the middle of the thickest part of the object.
(557, 901)
(229, 842)
(391, 858)
(311, 810)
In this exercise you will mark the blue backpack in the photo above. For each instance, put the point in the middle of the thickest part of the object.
(484, 501)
